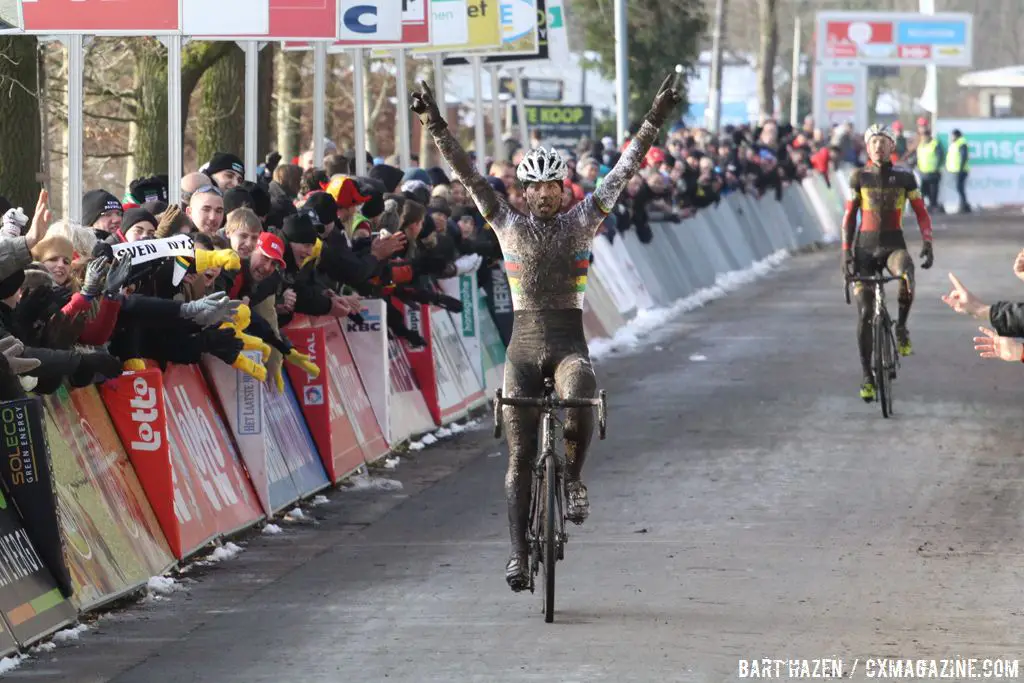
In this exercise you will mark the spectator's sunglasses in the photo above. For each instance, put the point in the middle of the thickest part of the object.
(208, 189)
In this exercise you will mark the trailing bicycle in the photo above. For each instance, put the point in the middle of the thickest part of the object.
(545, 536)
(885, 357)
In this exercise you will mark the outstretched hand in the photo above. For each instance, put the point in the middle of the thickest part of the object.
(424, 105)
(994, 346)
(667, 99)
(963, 301)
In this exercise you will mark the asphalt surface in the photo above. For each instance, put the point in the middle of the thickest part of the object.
(746, 504)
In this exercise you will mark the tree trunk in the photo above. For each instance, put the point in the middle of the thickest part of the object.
(289, 104)
(265, 118)
(369, 111)
(769, 34)
(20, 146)
(221, 123)
(148, 134)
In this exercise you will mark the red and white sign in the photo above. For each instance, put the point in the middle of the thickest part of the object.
(272, 19)
(413, 29)
(135, 403)
(409, 413)
(839, 90)
(368, 342)
(99, 17)
(205, 448)
(916, 51)
(847, 39)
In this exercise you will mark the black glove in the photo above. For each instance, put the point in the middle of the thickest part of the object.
(118, 274)
(271, 161)
(847, 262)
(927, 255)
(667, 99)
(221, 343)
(31, 314)
(95, 367)
(424, 105)
(414, 338)
(449, 303)
(356, 318)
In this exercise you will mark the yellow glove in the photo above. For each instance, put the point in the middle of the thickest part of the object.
(221, 258)
(279, 379)
(251, 343)
(243, 318)
(134, 365)
(250, 367)
(304, 362)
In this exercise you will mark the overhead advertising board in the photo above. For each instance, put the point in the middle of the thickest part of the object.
(260, 19)
(559, 125)
(383, 24)
(519, 32)
(462, 25)
(895, 38)
(536, 89)
(101, 17)
(11, 20)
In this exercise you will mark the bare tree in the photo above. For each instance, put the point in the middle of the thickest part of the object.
(769, 43)
(221, 123)
(20, 141)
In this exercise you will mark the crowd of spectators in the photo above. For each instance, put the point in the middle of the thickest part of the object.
(141, 280)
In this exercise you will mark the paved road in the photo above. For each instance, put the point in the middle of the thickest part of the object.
(746, 505)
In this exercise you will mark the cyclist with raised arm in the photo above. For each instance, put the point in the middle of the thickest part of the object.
(547, 257)
(879, 193)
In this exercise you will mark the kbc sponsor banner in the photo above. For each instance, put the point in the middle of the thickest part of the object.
(346, 385)
(368, 343)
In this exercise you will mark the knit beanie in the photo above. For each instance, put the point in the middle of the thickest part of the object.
(134, 216)
(12, 284)
(221, 161)
(299, 229)
(236, 198)
(438, 176)
(389, 175)
(96, 203)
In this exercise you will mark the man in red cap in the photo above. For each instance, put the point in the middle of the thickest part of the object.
(901, 141)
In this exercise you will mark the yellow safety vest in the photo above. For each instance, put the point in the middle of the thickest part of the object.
(953, 157)
(928, 156)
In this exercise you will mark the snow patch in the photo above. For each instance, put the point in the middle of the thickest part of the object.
(416, 446)
(456, 428)
(70, 634)
(295, 513)
(443, 433)
(697, 357)
(392, 463)
(272, 529)
(428, 440)
(227, 551)
(319, 500)
(9, 664)
(630, 337)
(363, 482)
(43, 647)
(164, 586)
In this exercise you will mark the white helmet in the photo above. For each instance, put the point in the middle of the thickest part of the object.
(879, 129)
(542, 166)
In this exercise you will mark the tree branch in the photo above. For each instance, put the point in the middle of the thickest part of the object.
(379, 104)
(107, 117)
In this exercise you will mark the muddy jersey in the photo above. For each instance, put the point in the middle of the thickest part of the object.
(879, 195)
(547, 260)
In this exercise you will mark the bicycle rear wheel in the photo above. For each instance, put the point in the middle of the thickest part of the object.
(883, 353)
(550, 537)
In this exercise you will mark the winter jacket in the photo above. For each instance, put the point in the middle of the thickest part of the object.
(1007, 318)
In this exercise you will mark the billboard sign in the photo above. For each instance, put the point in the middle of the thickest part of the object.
(523, 34)
(263, 19)
(841, 95)
(460, 25)
(101, 17)
(559, 125)
(996, 148)
(895, 38)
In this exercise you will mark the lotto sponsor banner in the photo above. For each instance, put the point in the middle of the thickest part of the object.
(242, 399)
(291, 438)
(263, 19)
(492, 349)
(452, 365)
(409, 413)
(499, 301)
(464, 288)
(346, 385)
(101, 17)
(368, 343)
(30, 601)
(205, 449)
(28, 479)
(135, 403)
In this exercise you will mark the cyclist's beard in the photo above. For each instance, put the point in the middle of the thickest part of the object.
(546, 208)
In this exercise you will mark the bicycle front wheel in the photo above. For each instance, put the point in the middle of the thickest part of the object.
(884, 362)
(550, 538)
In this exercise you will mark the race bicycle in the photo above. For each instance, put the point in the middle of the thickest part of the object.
(885, 357)
(546, 535)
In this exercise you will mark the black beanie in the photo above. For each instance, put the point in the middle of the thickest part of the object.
(12, 284)
(389, 175)
(139, 215)
(236, 198)
(437, 176)
(152, 189)
(261, 203)
(374, 207)
(299, 229)
(222, 161)
(96, 203)
(324, 205)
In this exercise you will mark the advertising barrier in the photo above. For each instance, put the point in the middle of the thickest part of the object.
(464, 288)
(409, 413)
(368, 343)
(492, 349)
(452, 365)
(201, 441)
(293, 441)
(28, 481)
(499, 301)
(348, 394)
(243, 400)
(30, 601)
